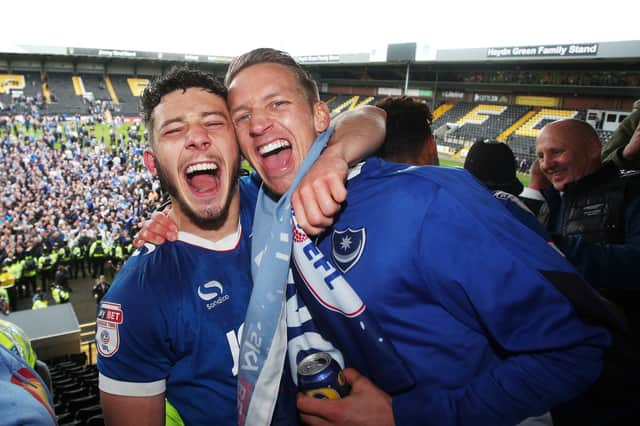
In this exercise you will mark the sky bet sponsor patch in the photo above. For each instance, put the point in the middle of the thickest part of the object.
(107, 336)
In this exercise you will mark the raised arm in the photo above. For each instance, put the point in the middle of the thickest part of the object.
(358, 134)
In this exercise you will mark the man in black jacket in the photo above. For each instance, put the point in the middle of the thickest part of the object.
(592, 212)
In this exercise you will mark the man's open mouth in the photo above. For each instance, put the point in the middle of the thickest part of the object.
(274, 147)
(203, 177)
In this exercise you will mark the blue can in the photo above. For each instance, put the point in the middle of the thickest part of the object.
(320, 376)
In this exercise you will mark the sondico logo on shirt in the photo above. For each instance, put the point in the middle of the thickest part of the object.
(212, 292)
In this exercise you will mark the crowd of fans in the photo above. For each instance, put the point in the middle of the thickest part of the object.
(24, 105)
(64, 189)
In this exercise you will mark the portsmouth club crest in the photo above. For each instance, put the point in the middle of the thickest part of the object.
(347, 247)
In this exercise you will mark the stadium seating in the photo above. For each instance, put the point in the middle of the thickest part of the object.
(75, 390)
(487, 121)
(453, 114)
(340, 103)
(61, 86)
(9, 82)
(128, 101)
(94, 84)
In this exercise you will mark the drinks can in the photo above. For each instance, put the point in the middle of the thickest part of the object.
(320, 376)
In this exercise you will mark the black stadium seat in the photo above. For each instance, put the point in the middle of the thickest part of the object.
(95, 421)
(78, 403)
(85, 413)
(74, 393)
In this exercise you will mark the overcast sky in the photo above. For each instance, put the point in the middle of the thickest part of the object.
(305, 28)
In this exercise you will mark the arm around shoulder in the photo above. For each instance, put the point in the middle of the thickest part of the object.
(359, 133)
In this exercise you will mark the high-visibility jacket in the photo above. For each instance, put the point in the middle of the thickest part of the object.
(60, 294)
(39, 304)
(6, 278)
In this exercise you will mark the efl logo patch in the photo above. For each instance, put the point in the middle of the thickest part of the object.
(347, 247)
(107, 335)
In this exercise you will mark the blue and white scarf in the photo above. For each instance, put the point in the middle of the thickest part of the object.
(320, 294)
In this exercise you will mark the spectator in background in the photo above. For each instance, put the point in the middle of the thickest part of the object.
(619, 149)
(592, 212)
(100, 289)
(408, 138)
(494, 164)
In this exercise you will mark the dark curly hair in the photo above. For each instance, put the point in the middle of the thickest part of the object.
(408, 126)
(177, 78)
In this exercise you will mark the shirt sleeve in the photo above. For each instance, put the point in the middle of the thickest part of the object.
(612, 150)
(487, 271)
(134, 354)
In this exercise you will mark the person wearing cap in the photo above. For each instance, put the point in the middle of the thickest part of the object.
(623, 147)
(494, 165)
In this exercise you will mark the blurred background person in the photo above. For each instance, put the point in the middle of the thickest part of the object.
(408, 138)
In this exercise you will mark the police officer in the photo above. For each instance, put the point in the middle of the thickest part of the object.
(39, 299)
(7, 281)
(78, 256)
(60, 290)
(64, 255)
(15, 269)
(29, 274)
(117, 258)
(46, 264)
(97, 254)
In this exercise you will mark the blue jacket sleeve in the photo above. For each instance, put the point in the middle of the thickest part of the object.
(606, 265)
(545, 354)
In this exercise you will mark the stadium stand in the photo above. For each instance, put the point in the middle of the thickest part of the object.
(9, 82)
(64, 93)
(487, 121)
(340, 103)
(128, 100)
(95, 87)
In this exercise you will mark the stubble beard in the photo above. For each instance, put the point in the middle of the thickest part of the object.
(213, 215)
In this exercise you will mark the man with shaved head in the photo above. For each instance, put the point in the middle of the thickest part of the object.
(593, 212)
